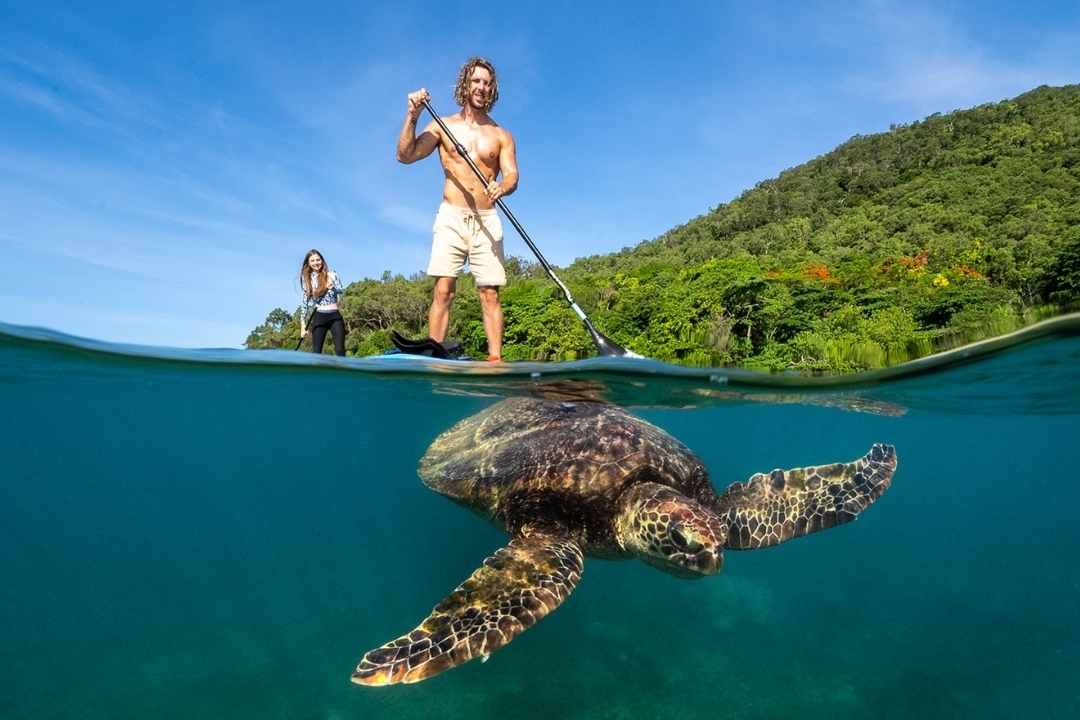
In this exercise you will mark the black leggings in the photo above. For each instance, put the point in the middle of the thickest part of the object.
(323, 321)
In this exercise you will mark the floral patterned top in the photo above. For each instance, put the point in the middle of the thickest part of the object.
(330, 297)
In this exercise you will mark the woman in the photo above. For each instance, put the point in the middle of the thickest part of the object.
(322, 289)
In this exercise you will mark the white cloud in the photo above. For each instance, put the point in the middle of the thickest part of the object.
(926, 60)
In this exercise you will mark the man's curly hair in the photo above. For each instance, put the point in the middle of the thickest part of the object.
(461, 92)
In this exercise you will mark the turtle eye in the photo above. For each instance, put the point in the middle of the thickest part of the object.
(678, 540)
(685, 539)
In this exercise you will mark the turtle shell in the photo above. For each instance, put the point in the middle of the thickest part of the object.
(585, 453)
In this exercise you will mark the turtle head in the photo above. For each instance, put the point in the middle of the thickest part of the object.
(665, 529)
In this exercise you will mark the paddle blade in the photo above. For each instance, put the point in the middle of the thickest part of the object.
(605, 345)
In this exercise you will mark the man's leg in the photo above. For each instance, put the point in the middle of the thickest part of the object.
(439, 314)
(493, 318)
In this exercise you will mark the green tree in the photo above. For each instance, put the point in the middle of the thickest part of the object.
(274, 332)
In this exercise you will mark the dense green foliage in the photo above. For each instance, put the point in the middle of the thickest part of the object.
(887, 248)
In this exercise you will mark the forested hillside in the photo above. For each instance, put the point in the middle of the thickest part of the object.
(889, 247)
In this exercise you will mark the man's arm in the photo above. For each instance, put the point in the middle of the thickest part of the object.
(508, 167)
(410, 146)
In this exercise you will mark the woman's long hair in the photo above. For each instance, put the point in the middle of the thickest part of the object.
(461, 92)
(322, 278)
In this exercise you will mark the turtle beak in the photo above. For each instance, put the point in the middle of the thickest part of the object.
(708, 561)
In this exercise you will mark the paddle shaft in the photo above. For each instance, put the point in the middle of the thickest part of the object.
(306, 324)
(604, 345)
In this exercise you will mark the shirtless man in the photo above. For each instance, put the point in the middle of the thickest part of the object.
(467, 225)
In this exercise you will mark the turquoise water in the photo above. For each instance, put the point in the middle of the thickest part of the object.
(223, 534)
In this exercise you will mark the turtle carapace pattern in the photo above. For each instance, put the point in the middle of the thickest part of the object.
(573, 480)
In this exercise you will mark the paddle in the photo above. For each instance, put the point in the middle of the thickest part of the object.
(604, 345)
(308, 324)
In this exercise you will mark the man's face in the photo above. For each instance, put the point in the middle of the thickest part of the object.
(479, 88)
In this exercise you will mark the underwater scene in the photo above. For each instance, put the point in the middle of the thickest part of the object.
(226, 533)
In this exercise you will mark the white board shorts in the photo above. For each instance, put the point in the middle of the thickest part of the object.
(462, 234)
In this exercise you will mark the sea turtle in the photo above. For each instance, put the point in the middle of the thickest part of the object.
(567, 480)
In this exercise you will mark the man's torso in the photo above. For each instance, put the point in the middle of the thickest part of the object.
(484, 144)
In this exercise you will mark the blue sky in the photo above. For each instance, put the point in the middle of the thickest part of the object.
(165, 166)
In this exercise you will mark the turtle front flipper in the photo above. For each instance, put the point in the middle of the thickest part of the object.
(771, 509)
(509, 593)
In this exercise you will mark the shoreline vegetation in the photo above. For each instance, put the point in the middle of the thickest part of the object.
(893, 246)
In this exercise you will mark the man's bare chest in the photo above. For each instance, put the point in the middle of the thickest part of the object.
(482, 144)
